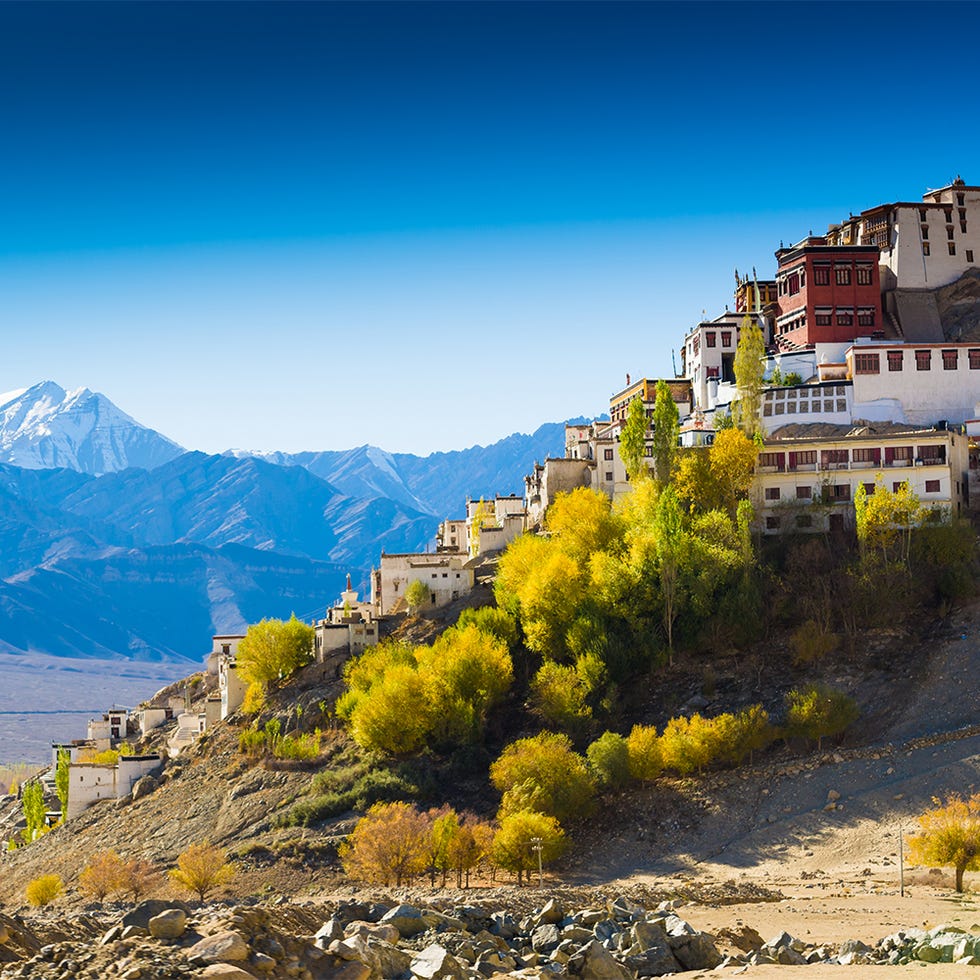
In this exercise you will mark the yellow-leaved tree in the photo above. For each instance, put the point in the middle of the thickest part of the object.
(949, 836)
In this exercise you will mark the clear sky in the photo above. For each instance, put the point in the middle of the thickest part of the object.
(424, 226)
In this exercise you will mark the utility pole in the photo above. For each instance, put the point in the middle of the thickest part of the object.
(901, 861)
(537, 846)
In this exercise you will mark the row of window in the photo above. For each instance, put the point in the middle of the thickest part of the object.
(804, 406)
(949, 230)
(861, 272)
(832, 458)
(824, 316)
(870, 362)
(711, 340)
(834, 493)
(950, 248)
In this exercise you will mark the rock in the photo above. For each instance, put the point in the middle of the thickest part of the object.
(382, 931)
(550, 914)
(503, 925)
(225, 971)
(169, 924)
(141, 915)
(622, 908)
(654, 961)
(436, 962)
(787, 956)
(928, 954)
(4, 934)
(648, 934)
(545, 938)
(222, 947)
(327, 933)
(144, 786)
(134, 932)
(392, 961)
(595, 962)
(832, 796)
(743, 938)
(111, 936)
(266, 964)
(406, 919)
(695, 952)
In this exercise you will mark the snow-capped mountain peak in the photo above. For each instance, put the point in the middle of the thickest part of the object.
(44, 426)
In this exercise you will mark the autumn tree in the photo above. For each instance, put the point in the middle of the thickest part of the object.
(32, 804)
(609, 757)
(559, 778)
(665, 430)
(645, 755)
(443, 829)
(749, 369)
(469, 846)
(560, 696)
(633, 439)
(885, 520)
(950, 836)
(273, 649)
(417, 595)
(388, 845)
(583, 522)
(138, 878)
(717, 478)
(202, 869)
(102, 876)
(515, 843)
(395, 717)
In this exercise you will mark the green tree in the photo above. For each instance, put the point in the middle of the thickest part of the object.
(886, 520)
(395, 716)
(665, 429)
(645, 755)
(950, 836)
(560, 776)
(633, 439)
(749, 369)
(32, 803)
(670, 536)
(817, 712)
(609, 757)
(417, 595)
(273, 649)
(61, 780)
(560, 696)
(515, 843)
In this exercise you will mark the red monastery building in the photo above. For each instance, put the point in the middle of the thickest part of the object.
(826, 293)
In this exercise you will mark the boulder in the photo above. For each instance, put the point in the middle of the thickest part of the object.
(141, 915)
(545, 938)
(646, 934)
(435, 962)
(594, 962)
(169, 924)
(327, 933)
(406, 919)
(382, 931)
(392, 961)
(225, 971)
(694, 952)
(654, 961)
(503, 925)
(551, 913)
(144, 786)
(222, 947)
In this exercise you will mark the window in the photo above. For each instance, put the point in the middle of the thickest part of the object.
(898, 454)
(960, 199)
(949, 232)
(772, 493)
(864, 275)
(932, 486)
(840, 491)
(925, 233)
(808, 457)
(842, 275)
(804, 520)
(969, 255)
(866, 455)
(794, 283)
(726, 338)
(821, 275)
(804, 493)
(845, 317)
(866, 364)
(948, 212)
(922, 215)
(952, 247)
(774, 460)
(869, 488)
(823, 319)
(772, 523)
(866, 317)
(709, 339)
(925, 248)
(895, 360)
(697, 344)
(931, 454)
(923, 360)
(950, 359)
(608, 476)
(963, 227)
(897, 485)
(607, 454)
(975, 359)
(833, 458)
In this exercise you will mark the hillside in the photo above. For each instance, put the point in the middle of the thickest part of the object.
(768, 822)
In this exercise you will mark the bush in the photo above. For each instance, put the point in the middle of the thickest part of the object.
(645, 755)
(559, 697)
(492, 621)
(102, 875)
(812, 642)
(688, 744)
(254, 701)
(273, 649)
(557, 776)
(202, 869)
(139, 877)
(742, 734)
(609, 757)
(352, 788)
(816, 712)
(950, 836)
(44, 890)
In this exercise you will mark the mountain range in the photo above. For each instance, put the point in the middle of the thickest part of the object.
(116, 542)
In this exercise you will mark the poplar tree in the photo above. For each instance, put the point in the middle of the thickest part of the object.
(749, 368)
(633, 439)
(665, 428)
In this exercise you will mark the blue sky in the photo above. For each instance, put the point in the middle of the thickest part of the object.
(311, 226)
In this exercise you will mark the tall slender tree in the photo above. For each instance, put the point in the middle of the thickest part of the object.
(633, 439)
(665, 427)
(749, 369)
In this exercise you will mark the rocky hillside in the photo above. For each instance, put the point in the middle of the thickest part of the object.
(959, 308)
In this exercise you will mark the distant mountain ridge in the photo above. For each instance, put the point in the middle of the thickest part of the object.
(133, 548)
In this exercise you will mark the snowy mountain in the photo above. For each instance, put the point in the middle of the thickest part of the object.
(45, 427)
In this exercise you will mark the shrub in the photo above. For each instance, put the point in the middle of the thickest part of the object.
(492, 621)
(559, 696)
(812, 642)
(139, 877)
(609, 757)
(741, 734)
(560, 777)
(254, 701)
(417, 595)
(44, 890)
(357, 791)
(645, 756)
(102, 875)
(688, 744)
(251, 741)
(202, 868)
(816, 712)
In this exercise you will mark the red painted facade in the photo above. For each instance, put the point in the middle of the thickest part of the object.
(827, 293)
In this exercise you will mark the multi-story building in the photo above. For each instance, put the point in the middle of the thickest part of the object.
(827, 293)
(807, 475)
(708, 354)
(447, 576)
